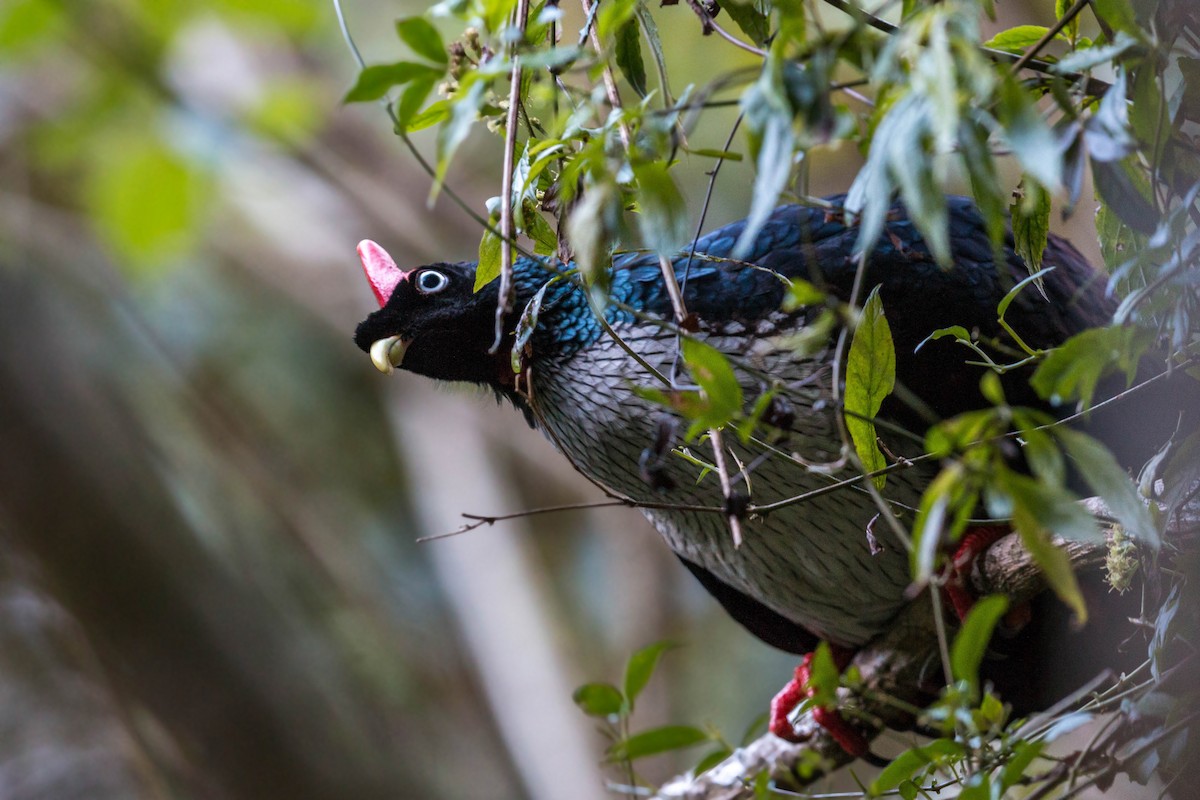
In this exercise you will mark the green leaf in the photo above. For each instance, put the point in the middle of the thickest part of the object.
(1011, 294)
(912, 171)
(823, 677)
(1024, 752)
(663, 217)
(899, 157)
(655, 741)
(966, 430)
(424, 39)
(1107, 131)
(1071, 29)
(959, 333)
(1053, 508)
(905, 766)
(707, 152)
(1108, 480)
(488, 268)
(375, 81)
(768, 117)
(801, 294)
(544, 238)
(1148, 110)
(598, 699)
(1041, 451)
(1117, 14)
(977, 787)
(712, 372)
(870, 377)
(591, 229)
(640, 667)
(496, 13)
(945, 509)
(1017, 39)
(985, 183)
(1071, 371)
(1086, 58)
(992, 714)
(433, 114)
(1118, 241)
(628, 54)
(971, 643)
(1038, 510)
(1120, 191)
(1031, 223)
(411, 100)
(745, 428)
(613, 16)
(1028, 136)
(901, 769)
(747, 15)
(793, 23)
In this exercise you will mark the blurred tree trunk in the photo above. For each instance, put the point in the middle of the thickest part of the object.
(182, 641)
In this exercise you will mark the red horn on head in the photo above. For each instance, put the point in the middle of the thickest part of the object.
(382, 272)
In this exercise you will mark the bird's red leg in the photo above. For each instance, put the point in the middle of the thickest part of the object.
(974, 542)
(797, 690)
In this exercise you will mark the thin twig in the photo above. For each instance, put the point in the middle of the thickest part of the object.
(1049, 35)
(718, 446)
(860, 477)
(479, 520)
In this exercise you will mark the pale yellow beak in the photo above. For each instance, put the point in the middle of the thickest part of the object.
(388, 353)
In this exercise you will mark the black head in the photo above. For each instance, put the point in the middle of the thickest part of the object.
(432, 322)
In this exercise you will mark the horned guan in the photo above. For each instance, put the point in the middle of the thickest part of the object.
(806, 571)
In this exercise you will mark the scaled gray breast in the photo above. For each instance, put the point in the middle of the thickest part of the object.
(812, 562)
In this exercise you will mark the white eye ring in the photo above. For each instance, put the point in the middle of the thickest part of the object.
(430, 281)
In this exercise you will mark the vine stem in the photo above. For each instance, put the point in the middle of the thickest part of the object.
(504, 302)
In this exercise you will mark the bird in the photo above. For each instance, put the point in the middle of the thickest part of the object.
(820, 569)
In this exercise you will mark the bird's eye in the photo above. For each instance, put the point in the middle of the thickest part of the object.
(431, 281)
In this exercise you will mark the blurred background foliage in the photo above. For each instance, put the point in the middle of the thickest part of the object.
(209, 500)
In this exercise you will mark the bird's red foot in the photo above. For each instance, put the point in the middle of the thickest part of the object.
(797, 691)
(975, 541)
